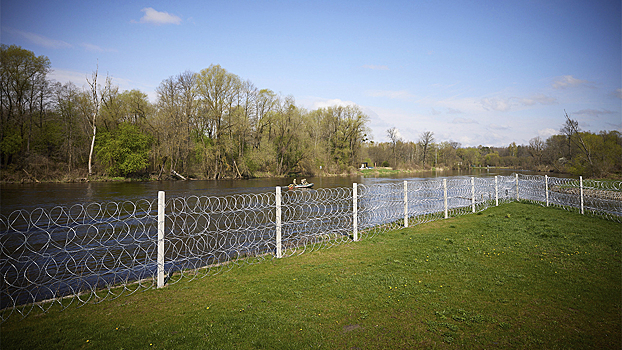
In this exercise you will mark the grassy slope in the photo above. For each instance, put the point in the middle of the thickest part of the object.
(517, 276)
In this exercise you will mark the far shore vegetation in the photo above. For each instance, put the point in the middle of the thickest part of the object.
(517, 276)
(213, 124)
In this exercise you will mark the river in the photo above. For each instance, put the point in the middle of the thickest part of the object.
(48, 195)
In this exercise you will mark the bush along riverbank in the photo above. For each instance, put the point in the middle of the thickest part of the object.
(512, 277)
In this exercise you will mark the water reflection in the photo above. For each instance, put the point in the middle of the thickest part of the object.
(49, 195)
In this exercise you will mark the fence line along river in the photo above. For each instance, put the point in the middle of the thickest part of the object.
(85, 251)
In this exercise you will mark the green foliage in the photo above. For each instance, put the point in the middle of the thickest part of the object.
(11, 144)
(124, 151)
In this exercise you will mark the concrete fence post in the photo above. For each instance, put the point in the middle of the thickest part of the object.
(278, 222)
(473, 194)
(445, 197)
(546, 188)
(405, 203)
(496, 192)
(161, 226)
(355, 224)
(581, 186)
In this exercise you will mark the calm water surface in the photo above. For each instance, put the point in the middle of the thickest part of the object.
(49, 195)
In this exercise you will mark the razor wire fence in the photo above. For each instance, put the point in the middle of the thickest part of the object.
(594, 197)
(95, 252)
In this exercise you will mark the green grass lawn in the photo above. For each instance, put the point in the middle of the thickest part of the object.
(516, 276)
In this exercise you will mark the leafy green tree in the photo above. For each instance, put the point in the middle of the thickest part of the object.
(124, 151)
(23, 96)
(426, 139)
(287, 141)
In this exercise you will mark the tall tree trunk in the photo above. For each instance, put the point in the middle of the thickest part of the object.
(91, 151)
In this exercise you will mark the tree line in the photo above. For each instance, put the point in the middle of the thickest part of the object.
(213, 124)
(572, 151)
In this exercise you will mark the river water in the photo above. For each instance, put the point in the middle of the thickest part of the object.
(48, 195)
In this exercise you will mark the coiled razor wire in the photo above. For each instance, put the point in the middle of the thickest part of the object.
(88, 253)
(598, 198)
(75, 254)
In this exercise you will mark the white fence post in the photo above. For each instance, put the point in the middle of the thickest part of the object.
(581, 185)
(161, 225)
(405, 204)
(355, 224)
(517, 198)
(473, 193)
(546, 188)
(445, 196)
(278, 222)
(496, 192)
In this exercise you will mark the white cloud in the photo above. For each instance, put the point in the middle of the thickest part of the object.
(567, 81)
(374, 67)
(156, 17)
(38, 39)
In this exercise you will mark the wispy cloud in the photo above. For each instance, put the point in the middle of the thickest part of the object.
(464, 121)
(156, 17)
(38, 39)
(538, 99)
(374, 67)
(504, 104)
(64, 76)
(499, 127)
(95, 48)
(324, 103)
(400, 94)
(568, 81)
(594, 113)
(453, 111)
(496, 104)
(618, 93)
(546, 133)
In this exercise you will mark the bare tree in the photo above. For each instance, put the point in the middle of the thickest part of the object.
(571, 128)
(425, 140)
(536, 148)
(96, 99)
(394, 137)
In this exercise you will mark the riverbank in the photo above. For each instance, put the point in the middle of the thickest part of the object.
(76, 177)
(388, 171)
(515, 276)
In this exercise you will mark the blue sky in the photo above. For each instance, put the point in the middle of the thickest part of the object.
(477, 72)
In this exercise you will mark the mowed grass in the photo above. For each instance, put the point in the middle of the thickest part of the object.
(516, 276)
